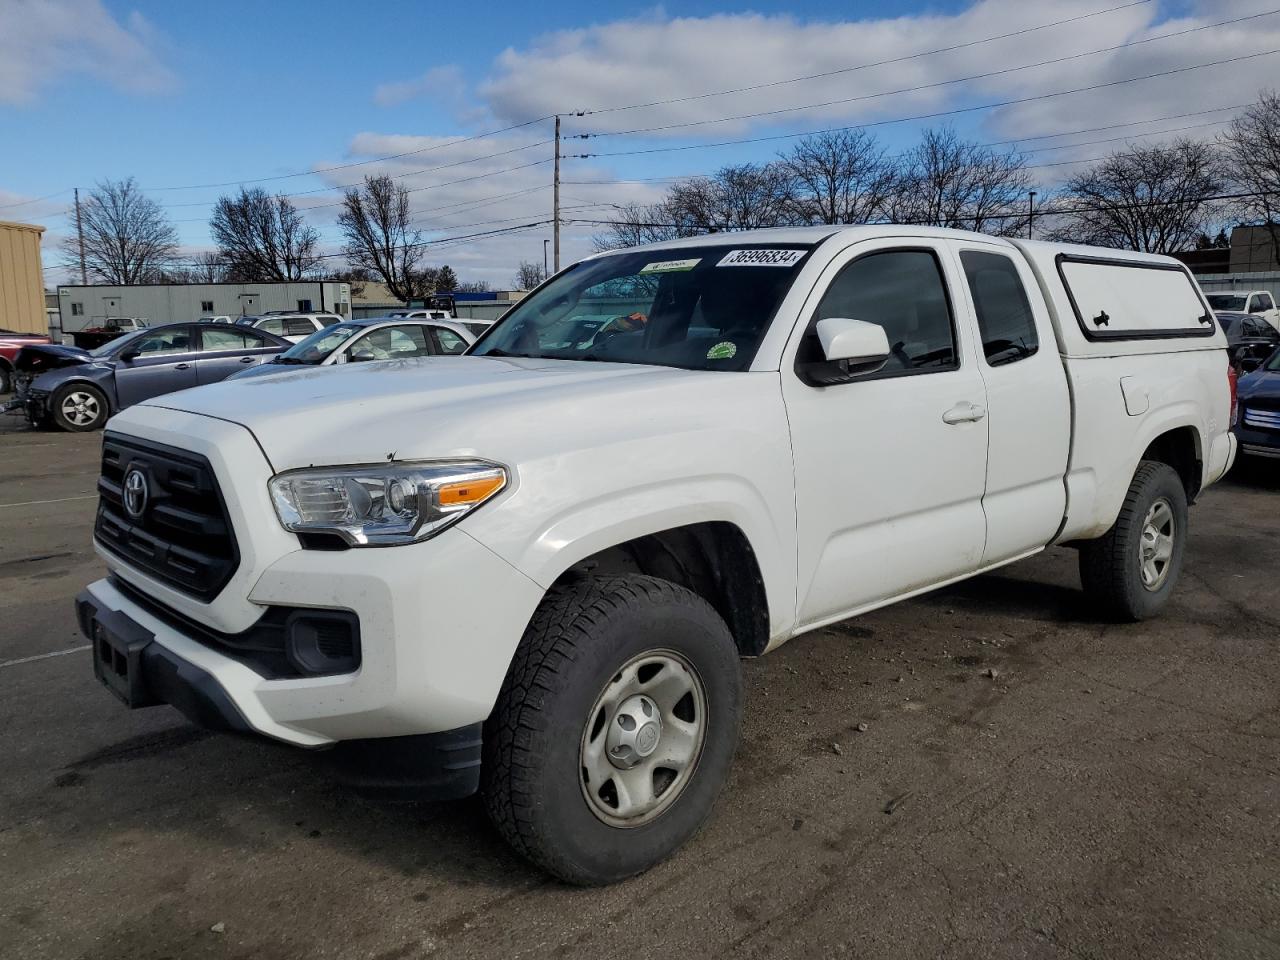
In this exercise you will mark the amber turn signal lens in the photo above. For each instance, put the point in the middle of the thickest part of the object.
(469, 491)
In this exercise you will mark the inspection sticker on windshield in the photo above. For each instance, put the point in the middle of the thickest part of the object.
(761, 258)
(724, 350)
(670, 266)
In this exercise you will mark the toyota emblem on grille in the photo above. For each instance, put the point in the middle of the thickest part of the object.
(136, 493)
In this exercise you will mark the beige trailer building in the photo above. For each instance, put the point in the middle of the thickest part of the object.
(21, 279)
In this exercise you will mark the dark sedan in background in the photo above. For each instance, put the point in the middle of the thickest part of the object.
(79, 389)
(1250, 338)
(1258, 426)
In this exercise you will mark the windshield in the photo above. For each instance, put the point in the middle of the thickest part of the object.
(1226, 301)
(698, 308)
(114, 346)
(320, 344)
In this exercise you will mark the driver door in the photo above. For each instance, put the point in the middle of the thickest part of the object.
(165, 362)
(890, 467)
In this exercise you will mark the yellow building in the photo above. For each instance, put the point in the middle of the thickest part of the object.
(21, 279)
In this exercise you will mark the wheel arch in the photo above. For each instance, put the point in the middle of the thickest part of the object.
(714, 559)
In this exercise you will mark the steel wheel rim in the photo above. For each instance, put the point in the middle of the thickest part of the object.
(1156, 547)
(630, 777)
(80, 408)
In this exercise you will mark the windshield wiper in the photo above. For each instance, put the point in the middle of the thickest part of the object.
(499, 352)
(287, 360)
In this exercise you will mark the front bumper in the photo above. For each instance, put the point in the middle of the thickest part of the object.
(1258, 442)
(129, 662)
(438, 620)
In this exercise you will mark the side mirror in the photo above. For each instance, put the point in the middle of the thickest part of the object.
(359, 357)
(859, 347)
(130, 355)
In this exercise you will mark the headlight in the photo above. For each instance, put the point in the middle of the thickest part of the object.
(384, 505)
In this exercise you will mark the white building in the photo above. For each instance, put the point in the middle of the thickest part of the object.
(86, 306)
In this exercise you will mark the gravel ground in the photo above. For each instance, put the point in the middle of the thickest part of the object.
(1030, 782)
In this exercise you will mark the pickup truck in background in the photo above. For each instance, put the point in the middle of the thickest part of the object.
(531, 570)
(11, 341)
(1260, 303)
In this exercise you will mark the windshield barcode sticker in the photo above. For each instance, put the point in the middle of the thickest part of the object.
(761, 258)
(670, 266)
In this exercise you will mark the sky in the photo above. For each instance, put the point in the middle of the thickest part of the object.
(194, 99)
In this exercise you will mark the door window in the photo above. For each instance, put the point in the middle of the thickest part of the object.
(902, 291)
(447, 341)
(229, 339)
(272, 325)
(391, 343)
(1264, 302)
(1005, 320)
(164, 341)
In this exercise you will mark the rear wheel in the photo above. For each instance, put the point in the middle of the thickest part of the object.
(79, 407)
(1131, 570)
(615, 728)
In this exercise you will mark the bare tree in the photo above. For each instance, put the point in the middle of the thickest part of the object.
(472, 286)
(354, 277)
(1156, 199)
(381, 237)
(207, 267)
(838, 177)
(261, 237)
(528, 275)
(742, 197)
(127, 238)
(1252, 146)
(945, 181)
(636, 223)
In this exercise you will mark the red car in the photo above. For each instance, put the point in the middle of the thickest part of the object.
(11, 341)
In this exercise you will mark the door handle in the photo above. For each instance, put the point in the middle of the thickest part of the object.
(965, 412)
(246, 359)
(183, 366)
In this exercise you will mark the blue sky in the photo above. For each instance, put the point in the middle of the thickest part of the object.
(184, 93)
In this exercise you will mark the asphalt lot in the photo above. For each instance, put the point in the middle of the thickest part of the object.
(1112, 791)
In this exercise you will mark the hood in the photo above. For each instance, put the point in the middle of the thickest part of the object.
(1259, 385)
(268, 368)
(499, 408)
(36, 358)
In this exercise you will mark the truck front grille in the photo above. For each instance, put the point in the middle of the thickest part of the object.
(182, 535)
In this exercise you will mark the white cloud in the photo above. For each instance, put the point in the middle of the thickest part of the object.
(41, 41)
(445, 84)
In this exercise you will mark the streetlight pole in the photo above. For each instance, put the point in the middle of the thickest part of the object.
(555, 202)
(1031, 213)
(545, 274)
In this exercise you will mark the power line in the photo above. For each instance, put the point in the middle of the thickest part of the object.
(356, 163)
(926, 86)
(928, 116)
(23, 203)
(1041, 211)
(866, 66)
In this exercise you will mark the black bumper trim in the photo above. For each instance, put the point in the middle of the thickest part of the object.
(429, 766)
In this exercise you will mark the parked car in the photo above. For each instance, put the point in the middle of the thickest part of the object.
(294, 327)
(374, 338)
(421, 314)
(1250, 338)
(531, 570)
(109, 329)
(11, 341)
(220, 318)
(79, 389)
(1258, 302)
(1258, 423)
(476, 327)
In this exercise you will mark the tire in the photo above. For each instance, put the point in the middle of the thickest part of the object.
(79, 408)
(573, 685)
(1120, 573)
(6, 378)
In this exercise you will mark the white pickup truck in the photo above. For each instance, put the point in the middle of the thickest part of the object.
(531, 570)
(1258, 302)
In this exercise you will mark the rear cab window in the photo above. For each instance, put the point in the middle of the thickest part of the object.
(1133, 299)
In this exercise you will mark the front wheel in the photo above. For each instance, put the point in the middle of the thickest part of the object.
(615, 728)
(79, 407)
(1131, 570)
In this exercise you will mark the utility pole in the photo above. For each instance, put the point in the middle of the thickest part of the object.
(555, 199)
(544, 259)
(1031, 213)
(84, 276)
